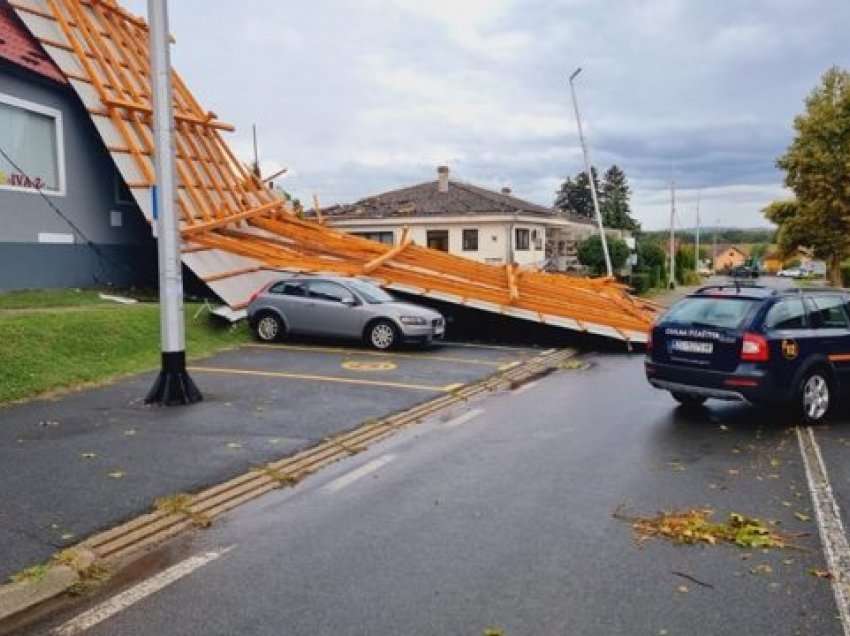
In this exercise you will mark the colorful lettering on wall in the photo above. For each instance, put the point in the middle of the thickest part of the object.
(21, 181)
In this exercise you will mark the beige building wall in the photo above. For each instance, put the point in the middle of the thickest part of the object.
(493, 238)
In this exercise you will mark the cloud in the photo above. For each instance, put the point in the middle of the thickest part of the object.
(360, 96)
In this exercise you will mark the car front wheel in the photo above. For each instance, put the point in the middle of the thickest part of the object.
(382, 335)
(269, 328)
(687, 400)
(815, 396)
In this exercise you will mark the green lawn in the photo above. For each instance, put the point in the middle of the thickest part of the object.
(40, 298)
(44, 350)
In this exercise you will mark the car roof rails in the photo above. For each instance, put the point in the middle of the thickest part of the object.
(737, 286)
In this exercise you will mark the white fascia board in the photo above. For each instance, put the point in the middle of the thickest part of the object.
(451, 298)
(440, 220)
(407, 289)
(524, 314)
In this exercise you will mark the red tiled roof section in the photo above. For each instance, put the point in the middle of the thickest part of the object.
(22, 49)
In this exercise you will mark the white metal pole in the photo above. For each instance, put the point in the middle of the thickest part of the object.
(173, 385)
(696, 247)
(672, 274)
(591, 181)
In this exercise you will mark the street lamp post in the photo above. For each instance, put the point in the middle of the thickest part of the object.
(587, 167)
(173, 385)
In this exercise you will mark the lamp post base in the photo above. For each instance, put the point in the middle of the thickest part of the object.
(173, 386)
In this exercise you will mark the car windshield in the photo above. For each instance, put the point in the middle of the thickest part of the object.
(710, 311)
(370, 293)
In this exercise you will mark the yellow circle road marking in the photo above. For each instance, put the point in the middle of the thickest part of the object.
(369, 365)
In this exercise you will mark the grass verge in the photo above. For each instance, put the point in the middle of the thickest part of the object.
(44, 351)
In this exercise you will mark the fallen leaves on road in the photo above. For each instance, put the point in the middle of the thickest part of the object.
(88, 455)
(117, 474)
(821, 574)
(802, 517)
(695, 526)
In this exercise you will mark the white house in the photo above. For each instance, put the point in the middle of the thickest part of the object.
(466, 220)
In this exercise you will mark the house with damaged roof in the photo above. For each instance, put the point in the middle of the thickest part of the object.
(467, 220)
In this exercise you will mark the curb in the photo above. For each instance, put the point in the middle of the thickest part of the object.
(117, 545)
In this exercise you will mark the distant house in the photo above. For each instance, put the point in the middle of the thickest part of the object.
(729, 257)
(467, 220)
(55, 165)
(772, 261)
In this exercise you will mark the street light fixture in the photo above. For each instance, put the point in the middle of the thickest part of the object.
(173, 385)
(590, 179)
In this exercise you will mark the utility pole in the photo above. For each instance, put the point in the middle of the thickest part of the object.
(714, 250)
(589, 170)
(672, 275)
(173, 385)
(256, 166)
(696, 245)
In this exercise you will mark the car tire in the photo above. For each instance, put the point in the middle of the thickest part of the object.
(688, 401)
(815, 396)
(382, 335)
(269, 327)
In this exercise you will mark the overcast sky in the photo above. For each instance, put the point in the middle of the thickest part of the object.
(361, 96)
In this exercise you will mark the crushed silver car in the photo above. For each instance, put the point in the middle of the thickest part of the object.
(340, 307)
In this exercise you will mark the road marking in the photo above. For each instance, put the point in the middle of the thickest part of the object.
(358, 473)
(381, 354)
(828, 514)
(324, 378)
(463, 418)
(125, 599)
(526, 387)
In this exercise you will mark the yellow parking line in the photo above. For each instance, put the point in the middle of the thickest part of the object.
(358, 352)
(324, 378)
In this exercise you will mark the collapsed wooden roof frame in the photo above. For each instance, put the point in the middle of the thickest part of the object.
(227, 209)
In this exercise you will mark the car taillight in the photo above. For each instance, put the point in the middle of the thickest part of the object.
(754, 348)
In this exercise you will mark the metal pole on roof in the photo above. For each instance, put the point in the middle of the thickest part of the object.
(696, 246)
(672, 274)
(589, 171)
(173, 385)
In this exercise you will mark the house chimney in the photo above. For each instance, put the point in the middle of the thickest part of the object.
(506, 190)
(443, 178)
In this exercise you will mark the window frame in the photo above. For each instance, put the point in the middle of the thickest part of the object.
(429, 234)
(324, 297)
(527, 234)
(789, 299)
(56, 115)
(463, 235)
(812, 309)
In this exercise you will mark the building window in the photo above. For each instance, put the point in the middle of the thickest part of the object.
(523, 239)
(387, 238)
(438, 240)
(31, 135)
(470, 240)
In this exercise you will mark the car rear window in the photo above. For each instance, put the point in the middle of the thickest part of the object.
(710, 311)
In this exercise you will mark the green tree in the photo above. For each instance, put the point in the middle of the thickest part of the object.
(614, 203)
(590, 254)
(652, 259)
(574, 195)
(817, 170)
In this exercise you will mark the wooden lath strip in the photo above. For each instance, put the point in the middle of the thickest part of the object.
(247, 214)
(375, 263)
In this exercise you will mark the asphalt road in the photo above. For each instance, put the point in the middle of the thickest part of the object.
(499, 516)
(86, 461)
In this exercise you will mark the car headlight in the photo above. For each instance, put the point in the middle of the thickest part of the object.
(413, 320)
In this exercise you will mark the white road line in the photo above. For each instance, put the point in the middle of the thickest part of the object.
(828, 514)
(349, 478)
(525, 387)
(463, 418)
(129, 597)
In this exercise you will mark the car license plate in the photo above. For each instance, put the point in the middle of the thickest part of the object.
(689, 346)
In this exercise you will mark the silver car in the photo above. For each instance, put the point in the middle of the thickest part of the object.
(340, 307)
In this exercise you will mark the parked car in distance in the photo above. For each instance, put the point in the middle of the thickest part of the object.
(754, 344)
(343, 308)
(794, 272)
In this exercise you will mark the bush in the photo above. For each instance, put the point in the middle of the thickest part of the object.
(590, 254)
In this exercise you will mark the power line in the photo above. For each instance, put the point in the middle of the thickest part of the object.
(86, 241)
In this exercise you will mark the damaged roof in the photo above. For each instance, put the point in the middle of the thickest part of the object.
(238, 235)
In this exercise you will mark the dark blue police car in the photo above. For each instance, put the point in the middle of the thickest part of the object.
(754, 344)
